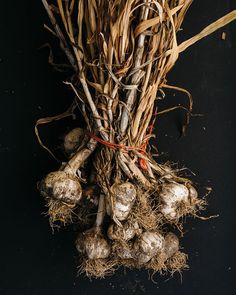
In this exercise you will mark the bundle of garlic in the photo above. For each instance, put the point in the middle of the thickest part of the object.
(120, 52)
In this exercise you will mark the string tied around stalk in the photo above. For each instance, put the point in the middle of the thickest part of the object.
(126, 149)
(142, 162)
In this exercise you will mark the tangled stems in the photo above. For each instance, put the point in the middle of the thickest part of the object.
(121, 53)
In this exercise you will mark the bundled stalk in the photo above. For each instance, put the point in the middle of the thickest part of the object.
(120, 53)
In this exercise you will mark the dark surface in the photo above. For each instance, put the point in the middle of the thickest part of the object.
(36, 262)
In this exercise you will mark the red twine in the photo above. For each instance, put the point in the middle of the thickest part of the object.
(142, 149)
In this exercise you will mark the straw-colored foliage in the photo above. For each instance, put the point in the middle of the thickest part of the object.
(120, 52)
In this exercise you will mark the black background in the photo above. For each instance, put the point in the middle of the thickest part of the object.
(36, 262)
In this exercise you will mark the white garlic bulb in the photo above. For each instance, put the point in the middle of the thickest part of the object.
(170, 195)
(73, 140)
(61, 186)
(97, 248)
(124, 196)
(93, 244)
(51, 178)
(148, 245)
(171, 245)
(124, 251)
(174, 192)
(125, 233)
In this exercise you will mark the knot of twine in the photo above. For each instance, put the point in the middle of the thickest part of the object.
(143, 163)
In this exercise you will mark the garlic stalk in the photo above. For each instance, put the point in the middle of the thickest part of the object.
(92, 243)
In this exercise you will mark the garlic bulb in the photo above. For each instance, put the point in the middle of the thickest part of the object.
(97, 248)
(170, 195)
(147, 246)
(73, 140)
(61, 186)
(125, 233)
(193, 194)
(123, 251)
(93, 244)
(169, 211)
(171, 245)
(124, 196)
(174, 192)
